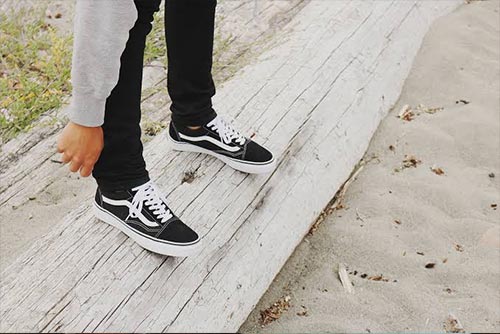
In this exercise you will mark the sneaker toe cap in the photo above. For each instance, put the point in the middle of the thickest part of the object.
(257, 153)
(177, 231)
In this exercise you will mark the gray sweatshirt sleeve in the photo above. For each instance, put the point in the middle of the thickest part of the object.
(100, 35)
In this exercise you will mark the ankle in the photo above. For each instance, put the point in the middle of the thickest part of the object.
(194, 127)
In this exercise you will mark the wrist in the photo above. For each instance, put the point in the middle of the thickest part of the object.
(72, 123)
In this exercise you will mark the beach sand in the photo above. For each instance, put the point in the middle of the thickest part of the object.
(397, 220)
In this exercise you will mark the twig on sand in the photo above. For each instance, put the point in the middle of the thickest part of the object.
(344, 278)
(358, 216)
(337, 201)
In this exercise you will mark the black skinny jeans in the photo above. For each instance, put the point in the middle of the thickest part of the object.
(189, 28)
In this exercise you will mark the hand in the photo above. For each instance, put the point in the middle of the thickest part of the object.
(80, 147)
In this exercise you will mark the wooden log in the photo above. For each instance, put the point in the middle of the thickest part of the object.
(315, 99)
(30, 177)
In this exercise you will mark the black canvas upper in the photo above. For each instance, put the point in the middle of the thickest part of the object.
(248, 150)
(173, 230)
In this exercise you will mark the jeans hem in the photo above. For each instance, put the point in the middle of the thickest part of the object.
(109, 186)
(195, 120)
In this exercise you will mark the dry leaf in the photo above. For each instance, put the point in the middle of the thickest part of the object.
(411, 161)
(35, 67)
(430, 265)
(16, 85)
(459, 248)
(58, 15)
(437, 170)
(406, 113)
(303, 313)
(421, 253)
(403, 110)
(453, 325)
(275, 311)
(397, 222)
(378, 278)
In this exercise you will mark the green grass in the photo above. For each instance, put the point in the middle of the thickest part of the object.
(155, 44)
(35, 66)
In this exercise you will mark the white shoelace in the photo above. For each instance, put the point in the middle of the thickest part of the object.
(226, 131)
(147, 194)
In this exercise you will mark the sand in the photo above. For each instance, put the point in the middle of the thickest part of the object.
(449, 219)
(444, 217)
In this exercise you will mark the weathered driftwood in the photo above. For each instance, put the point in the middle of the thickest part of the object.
(315, 99)
(30, 177)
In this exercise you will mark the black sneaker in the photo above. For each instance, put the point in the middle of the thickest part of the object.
(142, 214)
(220, 139)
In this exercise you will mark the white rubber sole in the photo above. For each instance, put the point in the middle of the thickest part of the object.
(245, 167)
(159, 247)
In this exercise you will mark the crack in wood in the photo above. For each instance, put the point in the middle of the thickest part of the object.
(191, 297)
(239, 226)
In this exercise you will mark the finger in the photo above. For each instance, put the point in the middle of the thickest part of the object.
(74, 166)
(60, 147)
(65, 158)
(86, 170)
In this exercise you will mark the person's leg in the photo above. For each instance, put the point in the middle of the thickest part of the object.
(121, 164)
(190, 33)
(126, 198)
(195, 126)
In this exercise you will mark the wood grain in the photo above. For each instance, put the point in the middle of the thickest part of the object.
(34, 185)
(315, 99)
